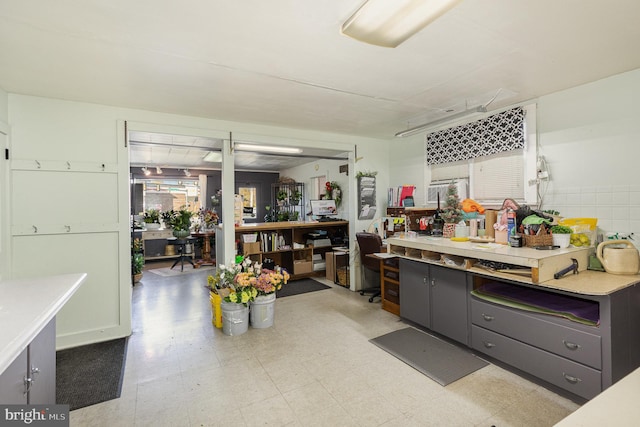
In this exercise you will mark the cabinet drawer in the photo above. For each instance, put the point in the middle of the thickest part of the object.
(580, 380)
(392, 292)
(150, 235)
(562, 340)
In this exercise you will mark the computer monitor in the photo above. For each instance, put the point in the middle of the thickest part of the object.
(324, 208)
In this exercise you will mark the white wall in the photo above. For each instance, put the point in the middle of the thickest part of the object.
(589, 136)
(63, 130)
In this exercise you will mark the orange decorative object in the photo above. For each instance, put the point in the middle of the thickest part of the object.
(469, 205)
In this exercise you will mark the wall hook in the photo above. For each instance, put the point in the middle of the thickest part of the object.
(68, 165)
(68, 227)
(35, 229)
(38, 164)
(103, 167)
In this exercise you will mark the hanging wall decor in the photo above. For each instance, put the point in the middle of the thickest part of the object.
(366, 197)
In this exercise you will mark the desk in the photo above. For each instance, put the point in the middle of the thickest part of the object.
(206, 247)
(389, 281)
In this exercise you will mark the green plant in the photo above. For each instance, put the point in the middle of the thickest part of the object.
(152, 216)
(282, 195)
(365, 173)
(137, 263)
(561, 229)
(137, 258)
(296, 196)
(451, 213)
(179, 220)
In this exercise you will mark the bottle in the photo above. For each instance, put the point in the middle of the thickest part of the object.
(511, 223)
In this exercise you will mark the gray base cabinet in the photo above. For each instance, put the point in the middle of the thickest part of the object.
(435, 297)
(415, 301)
(449, 294)
(31, 378)
(581, 359)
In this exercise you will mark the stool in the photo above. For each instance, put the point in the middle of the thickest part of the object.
(181, 244)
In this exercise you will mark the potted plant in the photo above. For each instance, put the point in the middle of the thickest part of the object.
(296, 196)
(137, 260)
(561, 235)
(281, 196)
(152, 219)
(166, 218)
(180, 221)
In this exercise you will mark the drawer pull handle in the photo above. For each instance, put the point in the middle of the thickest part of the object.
(571, 379)
(488, 344)
(571, 345)
(487, 317)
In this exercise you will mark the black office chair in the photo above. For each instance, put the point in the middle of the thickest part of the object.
(370, 243)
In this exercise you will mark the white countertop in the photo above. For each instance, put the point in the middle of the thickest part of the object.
(616, 406)
(26, 306)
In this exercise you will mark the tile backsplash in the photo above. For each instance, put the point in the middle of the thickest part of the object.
(616, 207)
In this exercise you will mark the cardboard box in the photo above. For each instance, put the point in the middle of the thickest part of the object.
(302, 266)
(251, 248)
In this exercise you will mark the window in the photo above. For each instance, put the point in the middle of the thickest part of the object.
(505, 173)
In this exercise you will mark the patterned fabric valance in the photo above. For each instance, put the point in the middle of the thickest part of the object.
(495, 134)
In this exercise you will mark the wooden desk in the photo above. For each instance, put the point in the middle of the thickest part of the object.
(389, 281)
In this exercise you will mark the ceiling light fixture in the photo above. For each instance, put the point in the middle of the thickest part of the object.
(186, 172)
(422, 127)
(158, 170)
(267, 148)
(388, 23)
(146, 171)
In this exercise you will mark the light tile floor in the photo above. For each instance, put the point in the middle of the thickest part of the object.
(314, 367)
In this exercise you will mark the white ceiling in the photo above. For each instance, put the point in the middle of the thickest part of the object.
(285, 63)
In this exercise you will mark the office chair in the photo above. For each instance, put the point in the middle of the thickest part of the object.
(370, 243)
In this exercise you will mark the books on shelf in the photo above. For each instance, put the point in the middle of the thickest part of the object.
(396, 195)
(271, 241)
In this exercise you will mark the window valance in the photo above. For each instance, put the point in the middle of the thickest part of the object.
(495, 134)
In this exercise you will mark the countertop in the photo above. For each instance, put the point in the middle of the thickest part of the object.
(616, 406)
(26, 306)
(587, 282)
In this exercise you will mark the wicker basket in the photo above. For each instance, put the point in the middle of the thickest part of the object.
(541, 240)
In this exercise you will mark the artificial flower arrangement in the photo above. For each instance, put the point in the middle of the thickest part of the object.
(333, 191)
(242, 281)
(208, 217)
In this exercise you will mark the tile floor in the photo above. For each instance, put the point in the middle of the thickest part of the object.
(314, 367)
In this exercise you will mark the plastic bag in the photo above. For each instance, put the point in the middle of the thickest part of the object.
(584, 230)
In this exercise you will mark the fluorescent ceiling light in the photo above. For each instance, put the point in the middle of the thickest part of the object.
(422, 127)
(388, 23)
(213, 156)
(267, 148)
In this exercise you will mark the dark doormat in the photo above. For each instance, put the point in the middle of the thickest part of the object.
(90, 374)
(296, 287)
(442, 362)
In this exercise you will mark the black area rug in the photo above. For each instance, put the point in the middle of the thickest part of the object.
(302, 286)
(442, 362)
(90, 374)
